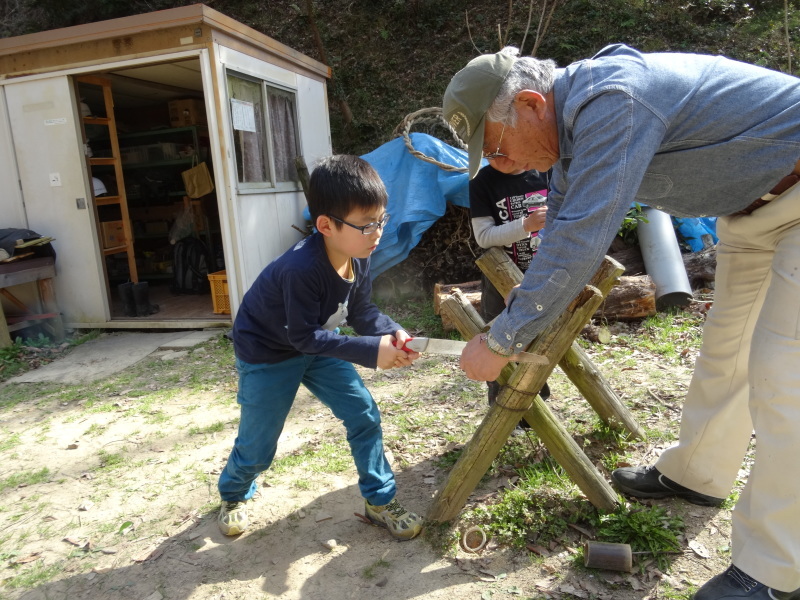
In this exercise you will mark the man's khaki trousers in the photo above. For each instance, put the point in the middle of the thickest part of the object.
(747, 378)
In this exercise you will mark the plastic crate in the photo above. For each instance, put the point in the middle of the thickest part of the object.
(219, 292)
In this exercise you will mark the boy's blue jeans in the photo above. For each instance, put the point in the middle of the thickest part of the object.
(267, 392)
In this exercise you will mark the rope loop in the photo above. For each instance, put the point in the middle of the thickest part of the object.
(430, 117)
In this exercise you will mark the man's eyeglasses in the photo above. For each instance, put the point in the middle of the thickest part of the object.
(367, 229)
(497, 153)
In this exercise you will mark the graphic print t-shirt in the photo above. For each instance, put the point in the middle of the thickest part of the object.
(502, 197)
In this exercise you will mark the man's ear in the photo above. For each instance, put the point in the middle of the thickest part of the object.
(324, 224)
(531, 100)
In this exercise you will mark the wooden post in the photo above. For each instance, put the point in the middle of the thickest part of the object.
(516, 400)
(595, 388)
(47, 293)
(504, 275)
(5, 336)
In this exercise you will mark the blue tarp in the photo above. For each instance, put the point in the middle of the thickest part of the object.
(418, 192)
(692, 229)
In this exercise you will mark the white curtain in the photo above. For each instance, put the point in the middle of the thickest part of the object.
(283, 125)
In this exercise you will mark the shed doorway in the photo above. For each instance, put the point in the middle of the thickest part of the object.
(142, 127)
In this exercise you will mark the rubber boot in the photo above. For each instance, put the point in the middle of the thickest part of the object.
(141, 295)
(126, 295)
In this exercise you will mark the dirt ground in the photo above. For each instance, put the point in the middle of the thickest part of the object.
(127, 506)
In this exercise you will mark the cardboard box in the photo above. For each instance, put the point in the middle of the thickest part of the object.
(113, 234)
(187, 112)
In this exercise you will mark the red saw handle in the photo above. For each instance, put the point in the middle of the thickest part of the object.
(404, 346)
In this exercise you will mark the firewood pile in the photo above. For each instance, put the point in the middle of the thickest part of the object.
(446, 253)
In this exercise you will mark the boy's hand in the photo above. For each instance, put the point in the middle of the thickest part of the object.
(388, 354)
(535, 220)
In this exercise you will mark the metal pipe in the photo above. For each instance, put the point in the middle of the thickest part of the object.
(662, 259)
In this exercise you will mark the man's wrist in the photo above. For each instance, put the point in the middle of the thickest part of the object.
(494, 347)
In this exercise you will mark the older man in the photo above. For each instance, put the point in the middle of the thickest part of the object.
(694, 136)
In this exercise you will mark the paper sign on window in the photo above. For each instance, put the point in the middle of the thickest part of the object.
(244, 115)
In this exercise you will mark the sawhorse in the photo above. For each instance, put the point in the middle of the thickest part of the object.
(518, 395)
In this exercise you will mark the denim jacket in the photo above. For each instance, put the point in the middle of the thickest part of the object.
(689, 134)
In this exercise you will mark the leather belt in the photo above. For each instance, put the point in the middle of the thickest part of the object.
(784, 184)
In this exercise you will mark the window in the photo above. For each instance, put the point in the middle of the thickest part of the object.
(265, 134)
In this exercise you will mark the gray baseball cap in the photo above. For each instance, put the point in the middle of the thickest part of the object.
(469, 95)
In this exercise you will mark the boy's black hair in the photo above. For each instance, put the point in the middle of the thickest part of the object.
(342, 183)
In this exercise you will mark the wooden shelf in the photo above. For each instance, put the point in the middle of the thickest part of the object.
(120, 200)
(115, 250)
(96, 121)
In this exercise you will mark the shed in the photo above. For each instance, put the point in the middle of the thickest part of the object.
(99, 121)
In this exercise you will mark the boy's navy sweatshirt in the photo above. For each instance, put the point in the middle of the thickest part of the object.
(297, 302)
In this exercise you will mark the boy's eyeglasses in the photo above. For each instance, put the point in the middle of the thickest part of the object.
(367, 229)
(497, 153)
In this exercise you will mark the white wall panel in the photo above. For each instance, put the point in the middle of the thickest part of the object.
(47, 141)
(315, 129)
(12, 208)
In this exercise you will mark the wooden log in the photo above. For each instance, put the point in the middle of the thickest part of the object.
(633, 298)
(701, 267)
(472, 291)
(516, 400)
(504, 274)
(598, 334)
(629, 256)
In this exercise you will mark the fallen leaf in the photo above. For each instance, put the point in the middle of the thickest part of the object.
(536, 549)
(699, 549)
(582, 530)
(26, 559)
(76, 541)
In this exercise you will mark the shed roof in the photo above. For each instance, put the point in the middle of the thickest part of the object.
(141, 35)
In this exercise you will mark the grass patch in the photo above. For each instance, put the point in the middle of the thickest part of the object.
(36, 575)
(646, 528)
(9, 441)
(669, 334)
(213, 428)
(314, 457)
(110, 460)
(539, 507)
(29, 478)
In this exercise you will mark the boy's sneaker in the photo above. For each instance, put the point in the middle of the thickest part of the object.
(401, 524)
(233, 517)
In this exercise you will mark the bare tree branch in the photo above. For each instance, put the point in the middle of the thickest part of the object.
(539, 29)
(786, 28)
(527, 26)
(544, 28)
(469, 32)
(508, 25)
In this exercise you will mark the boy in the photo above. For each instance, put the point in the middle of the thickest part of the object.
(286, 333)
(505, 212)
